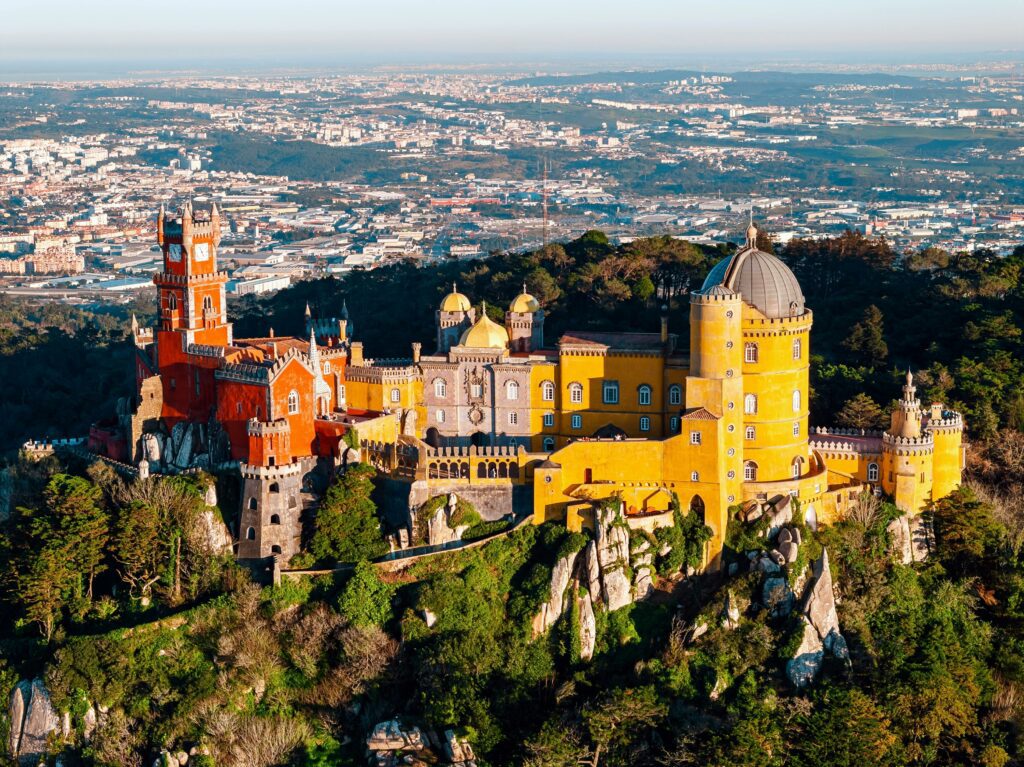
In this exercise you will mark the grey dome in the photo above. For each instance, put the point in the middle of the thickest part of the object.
(763, 280)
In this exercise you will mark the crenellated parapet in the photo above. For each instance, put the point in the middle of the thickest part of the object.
(256, 428)
(270, 473)
(906, 446)
(951, 421)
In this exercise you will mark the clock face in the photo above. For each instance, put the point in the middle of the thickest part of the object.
(201, 252)
(174, 252)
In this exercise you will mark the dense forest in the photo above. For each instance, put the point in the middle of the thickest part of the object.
(153, 640)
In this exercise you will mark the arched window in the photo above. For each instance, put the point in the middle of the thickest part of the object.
(549, 444)
(675, 394)
(293, 402)
(513, 418)
(275, 519)
(644, 394)
(750, 471)
(439, 416)
(250, 534)
(750, 352)
(396, 395)
(797, 348)
(576, 393)
(275, 488)
(750, 404)
(512, 390)
(872, 472)
(694, 476)
(172, 302)
(293, 502)
(796, 400)
(252, 504)
(697, 507)
(275, 549)
(798, 465)
(645, 423)
(440, 388)
(327, 368)
(547, 391)
(750, 433)
(207, 304)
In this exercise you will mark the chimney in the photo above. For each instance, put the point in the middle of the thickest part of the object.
(664, 326)
(416, 347)
(355, 354)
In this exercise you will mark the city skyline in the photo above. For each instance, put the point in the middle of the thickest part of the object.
(650, 32)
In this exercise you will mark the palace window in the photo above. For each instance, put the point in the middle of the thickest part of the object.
(396, 395)
(797, 348)
(549, 419)
(645, 423)
(440, 388)
(250, 534)
(610, 393)
(750, 352)
(341, 394)
(644, 395)
(750, 471)
(675, 394)
(172, 302)
(576, 393)
(512, 390)
(327, 368)
(293, 402)
(577, 422)
(673, 424)
(476, 390)
(750, 432)
(252, 504)
(798, 464)
(694, 476)
(275, 519)
(694, 437)
(513, 418)
(796, 401)
(796, 428)
(872, 472)
(207, 304)
(439, 416)
(549, 445)
(547, 391)
(750, 404)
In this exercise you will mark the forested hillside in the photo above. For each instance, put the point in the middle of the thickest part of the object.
(123, 602)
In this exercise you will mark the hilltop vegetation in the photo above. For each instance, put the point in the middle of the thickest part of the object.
(118, 600)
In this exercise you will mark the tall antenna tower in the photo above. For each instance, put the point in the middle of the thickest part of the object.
(544, 202)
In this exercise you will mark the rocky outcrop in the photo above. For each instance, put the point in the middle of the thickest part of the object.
(593, 569)
(643, 570)
(821, 620)
(392, 736)
(777, 596)
(457, 750)
(439, 526)
(560, 577)
(911, 538)
(730, 612)
(612, 538)
(33, 719)
(588, 627)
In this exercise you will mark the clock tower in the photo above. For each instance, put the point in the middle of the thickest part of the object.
(193, 326)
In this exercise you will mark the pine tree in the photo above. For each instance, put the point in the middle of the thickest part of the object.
(861, 412)
(867, 339)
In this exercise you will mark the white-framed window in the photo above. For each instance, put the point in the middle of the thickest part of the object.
(643, 394)
(675, 394)
(513, 418)
(512, 390)
(645, 423)
(797, 348)
(172, 302)
(750, 471)
(549, 419)
(750, 432)
(293, 402)
(576, 393)
(610, 392)
(327, 368)
(694, 437)
(798, 463)
(694, 476)
(577, 421)
(440, 388)
(207, 304)
(673, 424)
(341, 393)
(547, 391)
(476, 390)
(796, 400)
(750, 352)
(750, 404)
(439, 416)
(396, 395)
(796, 428)
(872, 472)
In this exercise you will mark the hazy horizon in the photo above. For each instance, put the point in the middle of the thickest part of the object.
(113, 37)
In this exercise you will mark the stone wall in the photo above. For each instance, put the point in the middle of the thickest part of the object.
(146, 417)
(492, 502)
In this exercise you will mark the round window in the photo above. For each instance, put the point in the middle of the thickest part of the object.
(728, 373)
(728, 344)
(731, 451)
(732, 475)
(729, 314)
(732, 428)
(732, 498)
(547, 479)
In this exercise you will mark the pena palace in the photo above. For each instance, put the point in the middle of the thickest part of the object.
(520, 426)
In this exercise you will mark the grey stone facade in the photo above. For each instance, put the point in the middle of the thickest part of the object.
(271, 518)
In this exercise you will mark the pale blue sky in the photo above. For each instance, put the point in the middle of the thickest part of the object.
(447, 30)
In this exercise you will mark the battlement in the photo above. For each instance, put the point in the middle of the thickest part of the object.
(283, 471)
(723, 297)
(847, 432)
(770, 323)
(922, 441)
(166, 278)
(256, 428)
(206, 350)
(468, 451)
(950, 421)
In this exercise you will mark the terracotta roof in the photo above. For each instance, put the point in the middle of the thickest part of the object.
(645, 341)
(700, 414)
